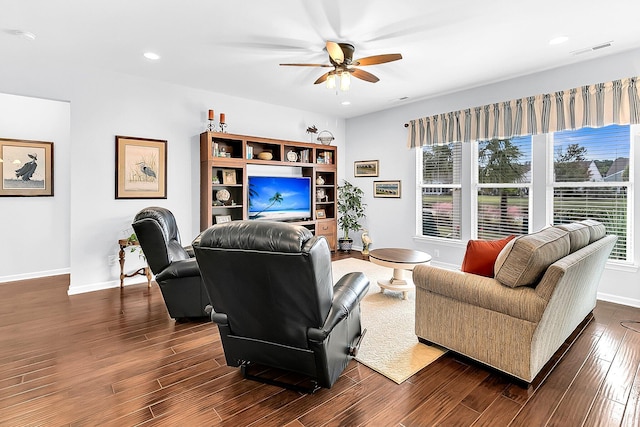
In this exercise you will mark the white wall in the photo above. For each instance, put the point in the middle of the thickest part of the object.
(31, 226)
(382, 135)
(104, 105)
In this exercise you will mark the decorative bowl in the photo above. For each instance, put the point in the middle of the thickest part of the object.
(265, 155)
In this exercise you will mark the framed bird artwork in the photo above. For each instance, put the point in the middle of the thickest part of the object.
(27, 168)
(141, 168)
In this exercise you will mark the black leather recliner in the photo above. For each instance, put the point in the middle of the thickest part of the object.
(174, 266)
(275, 303)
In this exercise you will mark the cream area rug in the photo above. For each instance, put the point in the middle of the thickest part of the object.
(390, 346)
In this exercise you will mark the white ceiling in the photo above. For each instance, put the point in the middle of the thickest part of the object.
(235, 46)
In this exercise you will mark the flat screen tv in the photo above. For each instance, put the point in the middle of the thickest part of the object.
(279, 198)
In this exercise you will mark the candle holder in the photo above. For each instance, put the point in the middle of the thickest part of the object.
(212, 126)
(223, 127)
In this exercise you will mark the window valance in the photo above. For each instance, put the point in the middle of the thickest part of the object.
(595, 105)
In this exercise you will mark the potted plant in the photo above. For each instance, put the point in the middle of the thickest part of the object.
(351, 210)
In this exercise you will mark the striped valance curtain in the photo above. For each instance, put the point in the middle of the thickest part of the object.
(595, 105)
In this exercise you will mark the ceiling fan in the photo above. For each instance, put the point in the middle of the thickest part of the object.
(341, 60)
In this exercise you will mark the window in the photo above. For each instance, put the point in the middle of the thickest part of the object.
(503, 187)
(585, 173)
(591, 179)
(440, 193)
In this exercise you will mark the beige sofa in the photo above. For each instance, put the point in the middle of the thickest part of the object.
(545, 285)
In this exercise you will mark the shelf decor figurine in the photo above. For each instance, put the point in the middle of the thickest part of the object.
(312, 130)
(222, 196)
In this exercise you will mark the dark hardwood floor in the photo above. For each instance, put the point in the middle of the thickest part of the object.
(114, 357)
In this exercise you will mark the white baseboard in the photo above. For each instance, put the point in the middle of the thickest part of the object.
(619, 300)
(74, 290)
(36, 275)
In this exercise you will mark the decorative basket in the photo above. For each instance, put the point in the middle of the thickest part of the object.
(325, 137)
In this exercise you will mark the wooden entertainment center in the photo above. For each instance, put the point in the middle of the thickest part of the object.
(224, 183)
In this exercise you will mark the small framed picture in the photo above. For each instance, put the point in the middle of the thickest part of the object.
(27, 168)
(321, 214)
(229, 176)
(223, 218)
(386, 189)
(366, 168)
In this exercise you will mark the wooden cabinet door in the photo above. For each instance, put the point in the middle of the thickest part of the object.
(328, 230)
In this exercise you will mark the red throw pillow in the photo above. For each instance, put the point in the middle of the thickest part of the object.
(481, 256)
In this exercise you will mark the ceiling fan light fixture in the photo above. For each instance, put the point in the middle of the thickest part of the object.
(345, 81)
(331, 81)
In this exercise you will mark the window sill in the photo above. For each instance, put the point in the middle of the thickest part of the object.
(627, 267)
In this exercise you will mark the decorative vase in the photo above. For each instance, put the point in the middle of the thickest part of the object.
(320, 180)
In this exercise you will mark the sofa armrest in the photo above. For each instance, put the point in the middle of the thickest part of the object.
(522, 303)
(179, 269)
(347, 293)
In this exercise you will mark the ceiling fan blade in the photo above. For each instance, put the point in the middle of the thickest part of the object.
(335, 52)
(363, 75)
(308, 65)
(323, 78)
(377, 59)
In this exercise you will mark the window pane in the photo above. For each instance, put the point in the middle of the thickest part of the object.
(592, 155)
(441, 164)
(504, 161)
(441, 195)
(589, 156)
(441, 213)
(605, 204)
(502, 211)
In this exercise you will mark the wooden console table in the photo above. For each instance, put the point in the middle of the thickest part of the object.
(144, 271)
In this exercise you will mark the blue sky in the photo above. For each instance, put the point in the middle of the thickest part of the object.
(295, 192)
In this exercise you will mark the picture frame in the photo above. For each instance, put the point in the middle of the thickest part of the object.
(229, 176)
(220, 219)
(321, 214)
(390, 189)
(364, 168)
(141, 168)
(27, 168)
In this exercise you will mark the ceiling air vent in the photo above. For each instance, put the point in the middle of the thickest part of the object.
(592, 48)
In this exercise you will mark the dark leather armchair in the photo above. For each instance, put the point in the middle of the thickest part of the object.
(174, 266)
(274, 300)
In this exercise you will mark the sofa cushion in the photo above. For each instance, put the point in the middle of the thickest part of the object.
(579, 235)
(481, 255)
(597, 229)
(524, 260)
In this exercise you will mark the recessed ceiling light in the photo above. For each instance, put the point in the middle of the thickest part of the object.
(24, 34)
(346, 103)
(152, 56)
(558, 40)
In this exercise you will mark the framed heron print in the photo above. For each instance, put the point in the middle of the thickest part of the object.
(141, 168)
(27, 168)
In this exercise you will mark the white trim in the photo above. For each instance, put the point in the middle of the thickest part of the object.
(36, 275)
(74, 290)
(452, 243)
(632, 302)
